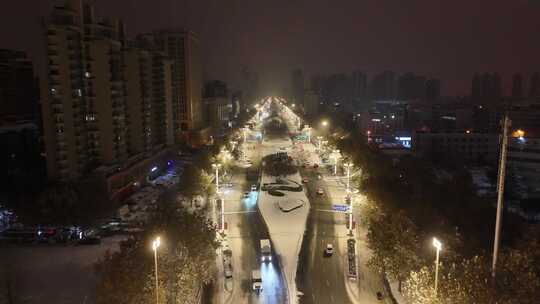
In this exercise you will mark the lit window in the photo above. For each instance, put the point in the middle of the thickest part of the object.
(87, 74)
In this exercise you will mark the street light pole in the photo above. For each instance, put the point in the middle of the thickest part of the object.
(308, 128)
(348, 166)
(222, 214)
(336, 156)
(155, 246)
(437, 244)
(500, 193)
(216, 167)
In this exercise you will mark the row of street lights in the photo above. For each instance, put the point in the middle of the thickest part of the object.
(156, 243)
(336, 155)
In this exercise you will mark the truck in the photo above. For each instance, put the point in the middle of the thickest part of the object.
(256, 280)
(266, 250)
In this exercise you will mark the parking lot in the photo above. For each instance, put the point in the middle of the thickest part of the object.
(43, 268)
(52, 274)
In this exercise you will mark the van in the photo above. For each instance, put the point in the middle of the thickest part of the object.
(256, 280)
(266, 250)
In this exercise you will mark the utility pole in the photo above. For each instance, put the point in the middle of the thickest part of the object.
(500, 191)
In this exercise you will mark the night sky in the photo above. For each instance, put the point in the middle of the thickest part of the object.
(450, 39)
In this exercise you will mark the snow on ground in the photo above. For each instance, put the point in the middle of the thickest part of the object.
(286, 229)
(396, 294)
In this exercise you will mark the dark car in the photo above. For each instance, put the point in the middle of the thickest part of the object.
(90, 240)
(379, 295)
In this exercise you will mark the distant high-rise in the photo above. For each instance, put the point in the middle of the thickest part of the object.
(517, 86)
(359, 87)
(411, 86)
(383, 86)
(433, 89)
(486, 87)
(476, 87)
(297, 84)
(215, 88)
(534, 87)
(182, 47)
(17, 86)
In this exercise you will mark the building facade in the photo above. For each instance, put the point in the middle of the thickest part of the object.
(466, 146)
(18, 96)
(106, 103)
(182, 47)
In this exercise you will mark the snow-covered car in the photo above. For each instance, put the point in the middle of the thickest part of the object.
(320, 191)
(253, 187)
(329, 250)
(305, 180)
(246, 194)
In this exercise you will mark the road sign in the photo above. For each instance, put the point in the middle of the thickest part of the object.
(341, 208)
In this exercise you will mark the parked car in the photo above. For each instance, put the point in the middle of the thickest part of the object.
(320, 191)
(379, 295)
(253, 187)
(246, 194)
(305, 180)
(90, 240)
(315, 166)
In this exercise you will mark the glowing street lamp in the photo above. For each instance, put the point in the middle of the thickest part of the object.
(348, 166)
(245, 135)
(519, 133)
(155, 246)
(308, 130)
(216, 167)
(324, 123)
(336, 155)
(437, 244)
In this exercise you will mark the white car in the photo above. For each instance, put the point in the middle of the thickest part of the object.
(320, 191)
(246, 194)
(329, 250)
(253, 187)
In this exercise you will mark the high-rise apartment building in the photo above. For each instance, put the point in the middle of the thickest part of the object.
(486, 87)
(103, 101)
(517, 86)
(383, 86)
(148, 75)
(82, 91)
(182, 47)
(17, 86)
(297, 84)
(433, 89)
(534, 87)
(359, 85)
(411, 86)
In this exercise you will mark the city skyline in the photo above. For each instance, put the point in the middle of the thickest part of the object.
(441, 40)
(285, 152)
